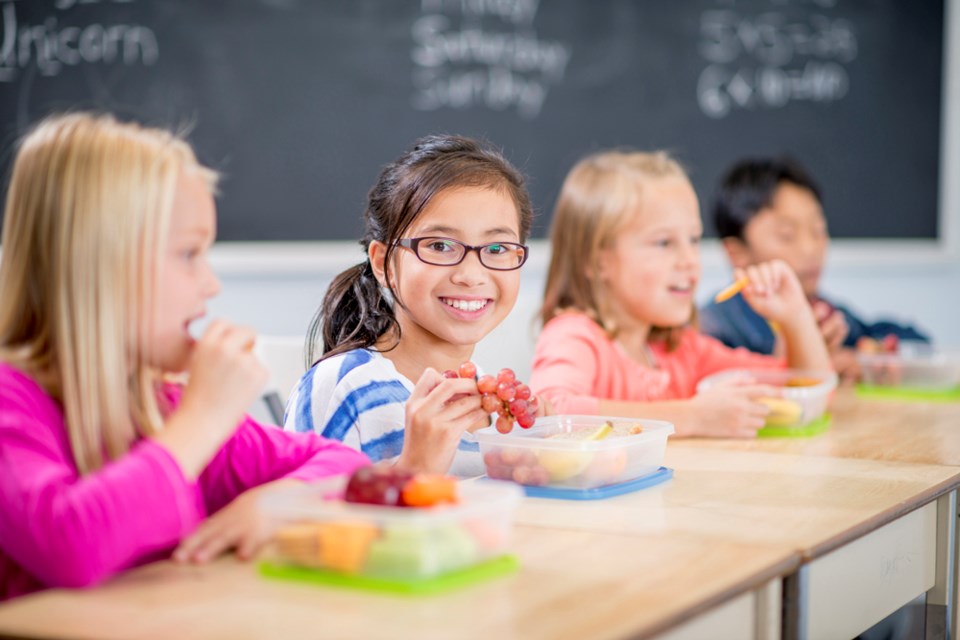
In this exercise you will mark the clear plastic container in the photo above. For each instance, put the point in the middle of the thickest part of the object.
(803, 398)
(321, 531)
(914, 367)
(564, 452)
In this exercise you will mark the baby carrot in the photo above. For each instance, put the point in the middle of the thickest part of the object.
(732, 290)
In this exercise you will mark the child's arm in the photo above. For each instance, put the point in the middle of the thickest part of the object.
(776, 294)
(730, 412)
(225, 378)
(68, 531)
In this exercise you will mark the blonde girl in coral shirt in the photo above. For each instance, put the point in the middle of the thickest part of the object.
(618, 310)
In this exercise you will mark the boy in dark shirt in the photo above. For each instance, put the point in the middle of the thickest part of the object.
(771, 209)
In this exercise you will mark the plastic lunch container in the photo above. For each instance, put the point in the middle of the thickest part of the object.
(804, 396)
(321, 531)
(915, 367)
(566, 451)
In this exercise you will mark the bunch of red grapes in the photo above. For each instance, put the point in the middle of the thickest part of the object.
(502, 394)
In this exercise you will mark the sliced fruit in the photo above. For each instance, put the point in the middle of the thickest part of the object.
(783, 412)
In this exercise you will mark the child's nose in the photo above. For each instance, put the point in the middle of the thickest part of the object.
(212, 283)
(470, 271)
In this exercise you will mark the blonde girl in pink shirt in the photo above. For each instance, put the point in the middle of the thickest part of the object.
(105, 465)
(618, 310)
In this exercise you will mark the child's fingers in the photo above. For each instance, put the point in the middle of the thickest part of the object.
(250, 545)
(542, 407)
(429, 379)
(459, 407)
(450, 390)
(202, 544)
(239, 339)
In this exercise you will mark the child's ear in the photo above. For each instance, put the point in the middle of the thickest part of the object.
(737, 252)
(600, 269)
(377, 253)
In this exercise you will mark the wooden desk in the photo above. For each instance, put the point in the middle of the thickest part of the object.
(880, 530)
(572, 584)
(925, 433)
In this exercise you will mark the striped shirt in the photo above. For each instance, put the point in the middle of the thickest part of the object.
(359, 398)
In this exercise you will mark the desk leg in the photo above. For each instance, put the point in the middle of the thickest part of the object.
(795, 605)
(941, 610)
(769, 605)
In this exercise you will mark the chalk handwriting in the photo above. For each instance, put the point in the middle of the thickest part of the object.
(49, 45)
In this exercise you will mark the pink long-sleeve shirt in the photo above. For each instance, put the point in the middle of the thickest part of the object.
(576, 365)
(60, 529)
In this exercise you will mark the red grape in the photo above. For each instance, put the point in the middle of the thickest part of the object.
(377, 485)
(491, 403)
(450, 373)
(518, 408)
(486, 384)
(504, 395)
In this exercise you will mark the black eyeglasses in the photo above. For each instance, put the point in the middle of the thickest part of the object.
(447, 252)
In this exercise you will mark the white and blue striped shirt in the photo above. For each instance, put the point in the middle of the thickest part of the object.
(359, 398)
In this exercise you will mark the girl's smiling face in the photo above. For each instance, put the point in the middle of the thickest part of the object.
(460, 304)
(651, 269)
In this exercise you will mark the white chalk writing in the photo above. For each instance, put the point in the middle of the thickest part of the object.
(768, 61)
(462, 64)
(49, 46)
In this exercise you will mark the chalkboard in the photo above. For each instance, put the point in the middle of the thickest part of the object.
(301, 102)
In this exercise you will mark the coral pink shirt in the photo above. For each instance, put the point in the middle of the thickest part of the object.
(576, 365)
(58, 528)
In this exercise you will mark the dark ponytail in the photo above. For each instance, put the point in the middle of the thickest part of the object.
(356, 312)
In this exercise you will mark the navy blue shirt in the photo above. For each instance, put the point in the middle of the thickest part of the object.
(736, 324)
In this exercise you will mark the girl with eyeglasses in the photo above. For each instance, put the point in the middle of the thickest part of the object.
(445, 227)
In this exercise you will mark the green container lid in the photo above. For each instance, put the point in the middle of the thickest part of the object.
(907, 394)
(812, 428)
(442, 583)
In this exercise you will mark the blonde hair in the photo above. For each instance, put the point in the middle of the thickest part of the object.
(596, 201)
(86, 218)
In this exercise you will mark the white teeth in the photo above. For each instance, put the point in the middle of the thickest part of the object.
(466, 305)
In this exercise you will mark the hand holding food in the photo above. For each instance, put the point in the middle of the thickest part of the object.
(502, 394)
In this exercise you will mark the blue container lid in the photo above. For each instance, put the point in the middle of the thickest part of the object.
(598, 493)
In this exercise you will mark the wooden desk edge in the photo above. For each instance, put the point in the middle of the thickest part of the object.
(781, 569)
(854, 533)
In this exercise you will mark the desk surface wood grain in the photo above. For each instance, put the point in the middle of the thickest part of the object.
(925, 433)
(812, 504)
(572, 584)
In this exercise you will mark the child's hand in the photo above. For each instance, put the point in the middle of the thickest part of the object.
(225, 377)
(833, 325)
(774, 291)
(846, 365)
(542, 407)
(239, 525)
(729, 411)
(438, 412)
